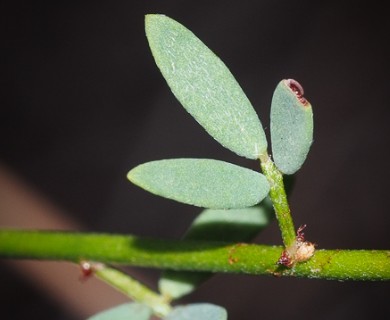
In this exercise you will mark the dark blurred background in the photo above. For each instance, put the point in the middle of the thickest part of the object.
(83, 103)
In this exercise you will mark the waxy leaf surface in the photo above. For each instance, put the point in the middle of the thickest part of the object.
(127, 311)
(202, 182)
(291, 126)
(205, 87)
(198, 311)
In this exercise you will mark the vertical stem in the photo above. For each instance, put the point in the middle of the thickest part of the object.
(133, 289)
(279, 200)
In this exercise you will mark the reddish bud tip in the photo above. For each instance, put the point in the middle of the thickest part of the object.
(296, 87)
(86, 270)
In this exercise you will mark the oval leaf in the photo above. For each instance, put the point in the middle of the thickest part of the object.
(198, 311)
(127, 311)
(235, 225)
(202, 182)
(291, 126)
(205, 87)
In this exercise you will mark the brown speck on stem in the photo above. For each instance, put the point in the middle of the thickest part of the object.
(232, 260)
(277, 274)
(232, 250)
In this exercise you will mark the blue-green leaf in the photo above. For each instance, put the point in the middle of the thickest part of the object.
(198, 311)
(127, 311)
(202, 182)
(230, 225)
(235, 225)
(291, 126)
(205, 87)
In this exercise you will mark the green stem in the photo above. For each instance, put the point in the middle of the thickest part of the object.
(134, 289)
(279, 200)
(191, 255)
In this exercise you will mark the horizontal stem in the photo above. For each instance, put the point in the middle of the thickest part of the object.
(191, 255)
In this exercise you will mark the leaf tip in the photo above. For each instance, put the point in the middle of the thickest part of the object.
(298, 90)
(151, 16)
(132, 174)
